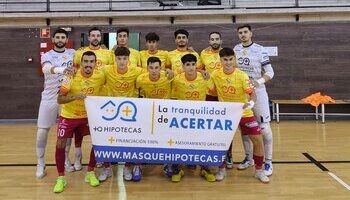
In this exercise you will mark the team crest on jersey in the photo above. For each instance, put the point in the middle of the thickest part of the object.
(244, 52)
(87, 83)
(64, 57)
(99, 63)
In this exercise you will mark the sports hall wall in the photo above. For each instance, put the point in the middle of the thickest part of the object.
(312, 57)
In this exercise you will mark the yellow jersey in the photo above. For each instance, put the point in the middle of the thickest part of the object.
(103, 57)
(161, 54)
(134, 57)
(90, 86)
(233, 87)
(175, 60)
(122, 85)
(160, 89)
(211, 60)
(197, 89)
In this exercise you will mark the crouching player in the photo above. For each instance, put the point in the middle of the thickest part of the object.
(232, 85)
(156, 84)
(73, 117)
(191, 85)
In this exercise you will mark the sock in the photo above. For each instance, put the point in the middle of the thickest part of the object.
(268, 141)
(258, 161)
(60, 157)
(41, 141)
(78, 154)
(92, 161)
(68, 144)
(247, 145)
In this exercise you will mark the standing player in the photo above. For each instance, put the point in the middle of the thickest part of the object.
(152, 40)
(254, 60)
(122, 41)
(103, 57)
(232, 85)
(73, 118)
(55, 63)
(191, 85)
(181, 40)
(211, 61)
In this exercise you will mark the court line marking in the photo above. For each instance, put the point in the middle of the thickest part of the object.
(339, 180)
(318, 164)
(121, 186)
(323, 168)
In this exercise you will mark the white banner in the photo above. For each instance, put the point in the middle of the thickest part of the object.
(161, 131)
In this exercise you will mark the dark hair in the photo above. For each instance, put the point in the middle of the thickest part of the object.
(181, 31)
(94, 29)
(188, 58)
(245, 26)
(214, 33)
(60, 30)
(152, 37)
(225, 52)
(123, 30)
(88, 53)
(121, 51)
(153, 60)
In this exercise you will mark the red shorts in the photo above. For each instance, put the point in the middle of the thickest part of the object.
(249, 126)
(67, 127)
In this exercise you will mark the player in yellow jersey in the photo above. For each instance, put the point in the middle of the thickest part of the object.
(181, 40)
(104, 56)
(73, 117)
(211, 60)
(122, 41)
(191, 85)
(154, 84)
(232, 85)
(152, 40)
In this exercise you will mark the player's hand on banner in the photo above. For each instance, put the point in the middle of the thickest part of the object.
(169, 73)
(80, 96)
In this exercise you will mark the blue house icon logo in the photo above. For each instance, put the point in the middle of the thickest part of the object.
(126, 111)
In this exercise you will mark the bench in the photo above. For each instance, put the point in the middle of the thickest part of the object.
(276, 109)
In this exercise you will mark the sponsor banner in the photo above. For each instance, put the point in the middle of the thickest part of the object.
(161, 131)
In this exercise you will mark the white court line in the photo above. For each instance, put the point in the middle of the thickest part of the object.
(339, 180)
(121, 186)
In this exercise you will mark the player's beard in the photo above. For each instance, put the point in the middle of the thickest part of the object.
(95, 43)
(182, 45)
(215, 46)
(59, 45)
(88, 70)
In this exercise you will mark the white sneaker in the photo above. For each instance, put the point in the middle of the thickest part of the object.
(127, 173)
(77, 165)
(268, 168)
(229, 161)
(106, 173)
(220, 175)
(246, 163)
(68, 166)
(259, 174)
(40, 171)
(99, 164)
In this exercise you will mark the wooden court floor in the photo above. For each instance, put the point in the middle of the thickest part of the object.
(295, 176)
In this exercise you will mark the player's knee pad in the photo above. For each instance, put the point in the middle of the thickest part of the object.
(41, 137)
(266, 131)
